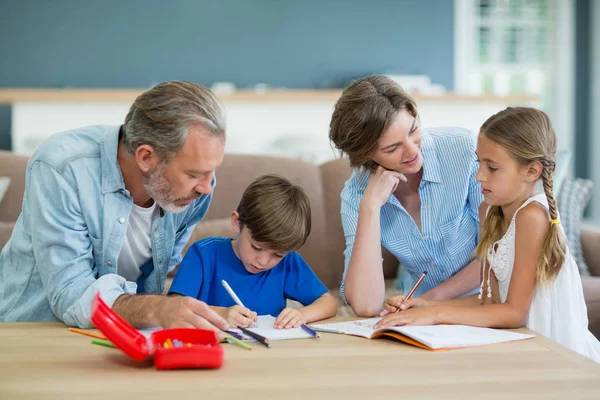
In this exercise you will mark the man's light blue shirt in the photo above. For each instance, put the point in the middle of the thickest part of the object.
(450, 199)
(65, 244)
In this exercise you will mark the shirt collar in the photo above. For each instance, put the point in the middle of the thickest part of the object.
(431, 165)
(112, 178)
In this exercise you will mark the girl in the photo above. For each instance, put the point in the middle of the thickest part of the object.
(529, 277)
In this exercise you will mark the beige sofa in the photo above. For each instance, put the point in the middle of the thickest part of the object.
(324, 248)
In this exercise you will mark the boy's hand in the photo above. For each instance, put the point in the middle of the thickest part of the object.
(397, 303)
(289, 318)
(240, 316)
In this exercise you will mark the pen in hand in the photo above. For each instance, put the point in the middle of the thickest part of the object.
(234, 297)
(408, 296)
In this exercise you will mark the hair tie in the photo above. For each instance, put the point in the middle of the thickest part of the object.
(554, 222)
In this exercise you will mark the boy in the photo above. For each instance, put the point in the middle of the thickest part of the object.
(261, 265)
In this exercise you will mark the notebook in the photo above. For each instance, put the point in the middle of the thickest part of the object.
(264, 327)
(430, 337)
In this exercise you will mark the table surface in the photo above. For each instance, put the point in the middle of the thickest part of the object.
(45, 360)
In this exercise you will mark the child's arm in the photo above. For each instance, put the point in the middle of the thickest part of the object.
(532, 225)
(236, 315)
(322, 308)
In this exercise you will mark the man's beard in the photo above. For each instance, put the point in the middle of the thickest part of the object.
(159, 189)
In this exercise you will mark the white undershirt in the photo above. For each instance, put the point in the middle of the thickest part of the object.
(137, 249)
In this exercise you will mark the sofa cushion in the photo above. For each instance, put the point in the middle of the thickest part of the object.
(591, 292)
(14, 167)
(334, 175)
(572, 199)
(4, 182)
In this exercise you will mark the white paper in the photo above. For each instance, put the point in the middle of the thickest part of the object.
(264, 327)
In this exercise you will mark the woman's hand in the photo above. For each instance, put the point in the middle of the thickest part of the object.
(382, 183)
(397, 303)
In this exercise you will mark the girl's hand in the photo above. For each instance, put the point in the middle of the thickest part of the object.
(289, 318)
(382, 183)
(415, 316)
(397, 303)
(240, 316)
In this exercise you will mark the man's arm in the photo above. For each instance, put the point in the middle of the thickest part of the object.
(146, 311)
(63, 248)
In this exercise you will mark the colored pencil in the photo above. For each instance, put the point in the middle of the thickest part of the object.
(259, 338)
(90, 334)
(417, 283)
(232, 339)
(235, 335)
(310, 331)
(103, 343)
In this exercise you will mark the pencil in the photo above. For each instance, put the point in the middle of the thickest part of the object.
(232, 339)
(259, 338)
(417, 283)
(90, 334)
(310, 331)
(235, 335)
(103, 343)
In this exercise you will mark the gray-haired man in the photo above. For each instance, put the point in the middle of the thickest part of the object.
(108, 209)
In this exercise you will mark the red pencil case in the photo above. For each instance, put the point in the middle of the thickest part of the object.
(203, 351)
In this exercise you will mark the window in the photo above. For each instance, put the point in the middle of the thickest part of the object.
(505, 46)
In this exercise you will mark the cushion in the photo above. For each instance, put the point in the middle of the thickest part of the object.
(4, 182)
(572, 199)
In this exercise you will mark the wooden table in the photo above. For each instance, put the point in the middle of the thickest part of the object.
(45, 360)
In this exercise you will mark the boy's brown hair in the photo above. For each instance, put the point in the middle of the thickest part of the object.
(276, 212)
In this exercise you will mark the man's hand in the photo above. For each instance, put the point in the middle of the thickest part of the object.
(187, 312)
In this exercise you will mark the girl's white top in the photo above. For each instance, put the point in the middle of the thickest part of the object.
(558, 309)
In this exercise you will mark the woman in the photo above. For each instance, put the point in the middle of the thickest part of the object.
(412, 191)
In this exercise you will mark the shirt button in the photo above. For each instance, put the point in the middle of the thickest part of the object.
(122, 220)
(109, 263)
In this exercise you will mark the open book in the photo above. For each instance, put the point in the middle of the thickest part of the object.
(264, 327)
(430, 337)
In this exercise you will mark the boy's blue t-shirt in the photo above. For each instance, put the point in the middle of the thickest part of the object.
(211, 260)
